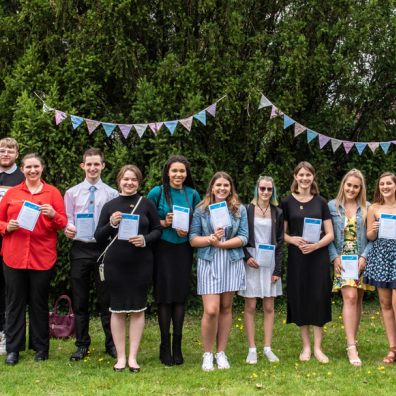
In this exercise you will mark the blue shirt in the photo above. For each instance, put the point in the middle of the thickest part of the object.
(186, 197)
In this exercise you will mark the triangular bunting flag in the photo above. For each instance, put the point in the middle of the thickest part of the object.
(264, 102)
(91, 125)
(373, 146)
(360, 147)
(335, 143)
(311, 135)
(287, 121)
(275, 112)
(348, 146)
(108, 128)
(187, 123)
(76, 121)
(385, 146)
(201, 116)
(212, 109)
(171, 125)
(59, 116)
(298, 128)
(140, 129)
(155, 127)
(46, 108)
(323, 140)
(125, 129)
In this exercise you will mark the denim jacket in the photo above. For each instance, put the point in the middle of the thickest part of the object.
(201, 226)
(338, 219)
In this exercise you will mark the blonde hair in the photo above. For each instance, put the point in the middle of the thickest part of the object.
(378, 198)
(314, 186)
(274, 198)
(125, 169)
(9, 143)
(232, 200)
(360, 199)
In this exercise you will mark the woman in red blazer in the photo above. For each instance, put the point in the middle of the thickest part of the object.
(29, 257)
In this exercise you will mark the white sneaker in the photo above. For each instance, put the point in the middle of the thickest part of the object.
(222, 361)
(251, 357)
(272, 358)
(3, 350)
(207, 362)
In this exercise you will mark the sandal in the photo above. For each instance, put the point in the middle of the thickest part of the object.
(356, 362)
(391, 356)
(305, 355)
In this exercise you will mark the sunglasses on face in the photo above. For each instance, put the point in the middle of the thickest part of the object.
(264, 189)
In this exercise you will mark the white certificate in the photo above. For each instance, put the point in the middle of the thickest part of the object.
(129, 226)
(387, 228)
(181, 218)
(265, 254)
(350, 267)
(3, 190)
(28, 215)
(85, 226)
(219, 215)
(312, 229)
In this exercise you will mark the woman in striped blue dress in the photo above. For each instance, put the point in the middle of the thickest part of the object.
(221, 269)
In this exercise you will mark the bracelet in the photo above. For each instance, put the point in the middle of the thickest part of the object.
(112, 225)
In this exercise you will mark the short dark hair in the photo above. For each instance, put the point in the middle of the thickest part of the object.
(93, 151)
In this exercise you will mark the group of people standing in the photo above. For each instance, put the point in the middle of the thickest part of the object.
(239, 250)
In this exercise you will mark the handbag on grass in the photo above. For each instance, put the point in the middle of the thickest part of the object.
(103, 255)
(62, 326)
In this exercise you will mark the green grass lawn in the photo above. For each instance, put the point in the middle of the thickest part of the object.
(94, 375)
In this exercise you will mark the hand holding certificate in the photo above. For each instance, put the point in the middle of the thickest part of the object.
(129, 226)
(219, 215)
(265, 254)
(85, 226)
(181, 218)
(387, 228)
(312, 229)
(28, 215)
(350, 267)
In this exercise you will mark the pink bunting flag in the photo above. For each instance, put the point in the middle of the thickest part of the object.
(59, 116)
(347, 146)
(212, 109)
(125, 129)
(373, 146)
(187, 123)
(298, 129)
(323, 140)
(275, 112)
(91, 125)
(155, 127)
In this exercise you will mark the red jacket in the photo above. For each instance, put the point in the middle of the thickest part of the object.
(23, 249)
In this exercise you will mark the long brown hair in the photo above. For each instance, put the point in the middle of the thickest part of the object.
(378, 198)
(314, 186)
(232, 200)
(360, 199)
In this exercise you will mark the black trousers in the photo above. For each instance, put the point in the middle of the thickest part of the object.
(82, 271)
(2, 297)
(27, 287)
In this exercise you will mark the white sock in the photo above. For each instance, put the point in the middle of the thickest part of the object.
(253, 349)
(267, 349)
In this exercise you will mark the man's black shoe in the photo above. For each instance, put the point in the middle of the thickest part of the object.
(41, 356)
(79, 354)
(12, 358)
(112, 351)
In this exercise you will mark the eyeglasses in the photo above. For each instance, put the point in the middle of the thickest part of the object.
(264, 189)
(7, 151)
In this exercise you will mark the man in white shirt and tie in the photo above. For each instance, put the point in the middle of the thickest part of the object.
(88, 197)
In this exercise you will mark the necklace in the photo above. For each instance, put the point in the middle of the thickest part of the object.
(261, 209)
(34, 191)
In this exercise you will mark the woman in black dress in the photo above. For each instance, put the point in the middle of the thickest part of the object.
(128, 264)
(308, 268)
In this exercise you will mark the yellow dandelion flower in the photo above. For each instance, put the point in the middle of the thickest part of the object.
(100, 359)
(381, 368)
(284, 321)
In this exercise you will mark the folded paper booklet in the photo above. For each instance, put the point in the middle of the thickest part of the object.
(350, 267)
(265, 254)
(312, 229)
(219, 215)
(181, 218)
(28, 215)
(129, 226)
(387, 228)
(85, 226)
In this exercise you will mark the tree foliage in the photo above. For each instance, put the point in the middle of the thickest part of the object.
(331, 65)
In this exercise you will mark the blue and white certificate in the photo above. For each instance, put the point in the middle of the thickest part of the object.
(28, 215)
(350, 267)
(387, 228)
(129, 226)
(265, 254)
(85, 226)
(181, 218)
(312, 229)
(219, 215)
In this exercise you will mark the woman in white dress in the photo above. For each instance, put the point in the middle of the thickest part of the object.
(263, 272)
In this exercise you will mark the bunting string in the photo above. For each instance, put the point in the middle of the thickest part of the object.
(110, 127)
(322, 139)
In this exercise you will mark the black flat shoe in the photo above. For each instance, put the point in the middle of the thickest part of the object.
(112, 351)
(79, 354)
(41, 356)
(12, 358)
(134, 369)
(118, 369)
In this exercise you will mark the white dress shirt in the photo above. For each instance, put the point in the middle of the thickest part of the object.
(77, 201)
